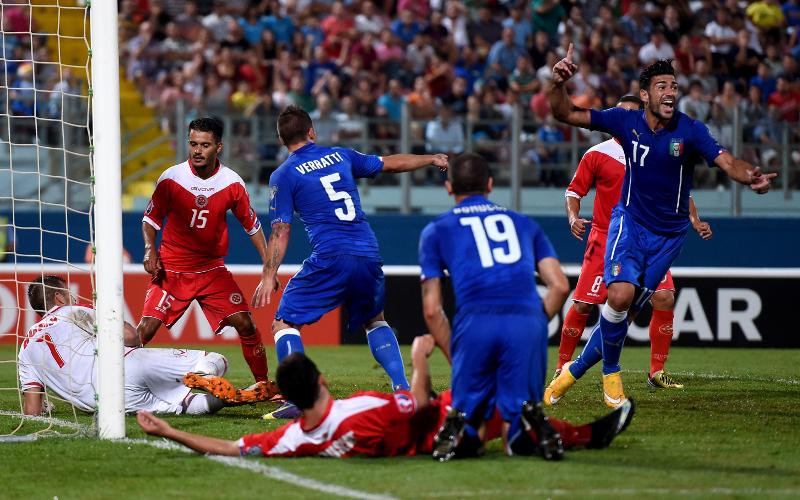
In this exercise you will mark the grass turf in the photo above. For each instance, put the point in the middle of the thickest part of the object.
(732, 432)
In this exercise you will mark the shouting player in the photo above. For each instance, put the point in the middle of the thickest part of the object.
(604, 165)
(194, 197)
(499, 344)
(59, 354)
(650, 221)
(319, 183)
(367, 423)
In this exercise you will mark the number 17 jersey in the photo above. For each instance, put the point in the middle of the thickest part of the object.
(319, 183)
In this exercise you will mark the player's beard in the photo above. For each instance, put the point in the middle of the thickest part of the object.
(656, 111)
(207, 162)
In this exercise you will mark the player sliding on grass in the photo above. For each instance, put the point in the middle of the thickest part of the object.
(604, 166)
(58, 353)
(319, 183)
(369, 423)
(651, 219)
(194, 197)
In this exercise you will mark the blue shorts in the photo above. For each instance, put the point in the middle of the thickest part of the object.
(636, 255)
(324, 283)
(499, 359)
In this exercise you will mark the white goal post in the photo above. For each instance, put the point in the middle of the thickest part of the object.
(106, 151)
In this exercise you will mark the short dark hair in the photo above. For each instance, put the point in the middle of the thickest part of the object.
(469, 174)
(298, 380)
(635, 99)
(42, 292)
(293, 125)
(208, 124)
(660, 67)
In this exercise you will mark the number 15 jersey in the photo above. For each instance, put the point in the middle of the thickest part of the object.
(319, 183)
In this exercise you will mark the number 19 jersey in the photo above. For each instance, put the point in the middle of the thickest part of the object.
(319, 183)
(490, 252)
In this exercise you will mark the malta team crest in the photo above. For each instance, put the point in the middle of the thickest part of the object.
(676, 147)
(201, 201)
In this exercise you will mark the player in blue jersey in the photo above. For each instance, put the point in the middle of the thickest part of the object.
(498, 346)
(319, 183)
(650, 221)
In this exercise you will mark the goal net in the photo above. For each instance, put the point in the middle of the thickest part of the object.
(53, 202)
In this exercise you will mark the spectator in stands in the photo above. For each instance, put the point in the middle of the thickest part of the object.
(456, 97)
(626, 57)
(338, 23)
(252, 23)
(485, 30)
(764, 81)
(297, 94)
(523, 79)
(752, 111)
(188, 21)
(574, 26)
(722, 37)
(218, 21)
(444, 134)
(695, 104)
(470, 66)
(538, 51)
(504, 54)
(595, 54)
(389, 53)
(419, 54)
(546, 16)
(523, 33)
(437, 33)
(439, 74)
(281, 25)
(785, 101)
(141, 52)
(352, 128)
(455, 21)
(584, 79)
(364, 97)
(406, 27)
(369, 20)
(703, 74)
(391, 103)
(549, 138)
(612, 82)
(421, 104)
(326, 120)
(312, 30)
(767, 16)
(722, 110)
(656, 49)
(744, 60)
(636, 25)
(671, 25)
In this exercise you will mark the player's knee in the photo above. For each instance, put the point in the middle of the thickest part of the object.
(620, 297)
(278, 325)
(243, 324)
(663, 300)
(582, 307)
(212, 364)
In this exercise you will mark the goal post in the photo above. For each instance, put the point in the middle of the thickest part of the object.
(106, 159)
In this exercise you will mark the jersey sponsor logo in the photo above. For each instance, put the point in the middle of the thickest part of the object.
(203, 189)
(404, 403)
(676, 147)
(616, 268)
(235, 298)
(180, 353)
(201, 201)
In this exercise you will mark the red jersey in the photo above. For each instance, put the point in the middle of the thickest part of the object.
(370, 423)
(603, 164)
(195, 235)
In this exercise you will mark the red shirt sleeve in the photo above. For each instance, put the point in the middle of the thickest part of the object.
(157, 209)
(260, 444)
(243, 211)
(583, 179)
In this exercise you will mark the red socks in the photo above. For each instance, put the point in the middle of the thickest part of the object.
(660, 339)
(255, 355)
(571, 435)
(571, 333)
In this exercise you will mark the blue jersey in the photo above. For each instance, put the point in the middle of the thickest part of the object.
(657, 179)
(490, 252)
(319, 183)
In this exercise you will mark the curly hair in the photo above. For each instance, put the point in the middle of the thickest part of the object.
(660, 67)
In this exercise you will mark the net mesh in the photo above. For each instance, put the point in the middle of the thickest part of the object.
(46, 187)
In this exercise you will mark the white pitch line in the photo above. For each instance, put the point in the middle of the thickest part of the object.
(619, 491)
(718, 376)
(48, 420)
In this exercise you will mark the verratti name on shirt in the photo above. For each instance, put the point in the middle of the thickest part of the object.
(323, 162)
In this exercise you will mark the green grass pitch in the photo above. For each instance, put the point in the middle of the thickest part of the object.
(733, 432)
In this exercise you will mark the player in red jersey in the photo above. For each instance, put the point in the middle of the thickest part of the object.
(368, 423)
(195, 197)
(604, 166)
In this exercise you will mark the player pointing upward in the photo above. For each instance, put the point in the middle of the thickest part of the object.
(649, 223)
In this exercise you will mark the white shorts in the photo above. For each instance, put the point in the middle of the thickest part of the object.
(154, 378)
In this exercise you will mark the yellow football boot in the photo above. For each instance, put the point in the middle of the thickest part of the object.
(559, 386)
(613, 395)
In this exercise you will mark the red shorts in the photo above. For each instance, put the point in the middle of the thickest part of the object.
(590, 288)
(170, 294)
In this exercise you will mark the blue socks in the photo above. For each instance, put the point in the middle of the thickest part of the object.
(286, 342)
(592, 353)
(613, 327)
(386, 351)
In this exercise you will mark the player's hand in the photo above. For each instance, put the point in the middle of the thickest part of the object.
(152, 261)
(564, 69)
(759, 181)
(440, 160)
(423, 346)
(577, 227)
(152, 424)
(703, 229)
(263, 294)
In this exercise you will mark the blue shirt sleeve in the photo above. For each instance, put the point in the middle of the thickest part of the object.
(430, 258)
(705, 143)
(612, 121)
(363, 165)
(281, 200)
(542, 248)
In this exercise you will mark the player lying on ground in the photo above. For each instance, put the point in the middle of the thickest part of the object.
(603, 165)
(194, 197)
(369, 423)
(649, 223)
(319, 183)
(499, 343)
(58, 353)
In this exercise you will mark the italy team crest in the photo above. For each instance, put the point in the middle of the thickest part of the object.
(676, 147)
(616, 268)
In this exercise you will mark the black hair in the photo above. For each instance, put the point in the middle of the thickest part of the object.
(208, 124)
(293, 125)
(635, 99)
(660, 67)
(298, 380)
(469, 174)
(42, 292)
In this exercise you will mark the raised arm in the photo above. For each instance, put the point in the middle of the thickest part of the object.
(203, 444)
(435, 318)
(560, 103)
(407, 162)
(557, 285)
(152, 261)
(744, 173)
(276, 250)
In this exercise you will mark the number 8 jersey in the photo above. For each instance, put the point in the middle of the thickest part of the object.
(490, 252)
(319, 183)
